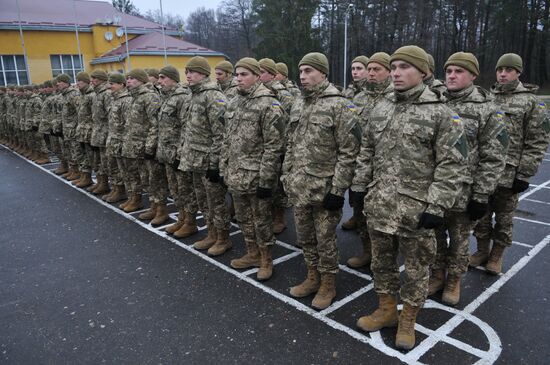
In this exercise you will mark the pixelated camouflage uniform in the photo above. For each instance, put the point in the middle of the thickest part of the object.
(34, 116)
(229, 88)
(70, 98)
(435, 84)
(100, 127)
(119, 107)
(84, 129)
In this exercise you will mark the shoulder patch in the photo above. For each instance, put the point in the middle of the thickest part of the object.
(351, 107)
(275, 105)
(542, 105)
(456, 119)
(220, 101)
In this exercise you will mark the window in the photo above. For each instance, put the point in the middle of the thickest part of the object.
(13, 70)
(66, 64)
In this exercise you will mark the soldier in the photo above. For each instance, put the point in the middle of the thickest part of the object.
(359, 76)
(528, 128)
(69, 99)
(140, 137)
(412, 164)
(250, 163)
(44, 126)
(430, 79)
(487, 142)
(21, 124)
(100, 128)
(200, 154)
(378, 87)
(153, 76)
(56, 135)
(34, 115)
(282, 77)
(171, 123)
(3, 123)
(83, 133)
(119, 108)
(318, 168)
(226, 81)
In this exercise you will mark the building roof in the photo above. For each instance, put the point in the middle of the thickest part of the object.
(153, 44)
(60, 14)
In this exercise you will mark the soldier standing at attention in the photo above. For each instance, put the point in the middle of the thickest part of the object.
(430, 79)
(528, 125)
(317, 170)
(84, 130)
(487, 142)
(282, 77)
(70, 97)
(226, 81)
(250, 163)
(410, 169)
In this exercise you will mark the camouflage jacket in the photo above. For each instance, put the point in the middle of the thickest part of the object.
(324, 140)
(290, 86)
(435, 84)
(33, 112)
(57, 109)
(47, 114)
(100, 115)
(21, 112)
(119, 107)
(282, 94)
(140, 135)
(70, 98)
(413, 159)
(3, 98)
(487, 142)
(369, 97)
(10, 109)
(354, 88)
(253, 143)
(170, 119)
(85, 122)
(204, 128)
(528, 125)
(229, 88)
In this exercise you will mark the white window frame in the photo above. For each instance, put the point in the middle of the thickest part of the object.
(72, 71)
(16, 70)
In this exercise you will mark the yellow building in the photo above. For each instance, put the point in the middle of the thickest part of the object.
(54, 30)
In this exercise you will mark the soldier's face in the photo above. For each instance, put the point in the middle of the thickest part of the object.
(358, 71)
(194, 77)
(309, 76)
(458, 78)
(82, 84)
(376, 73)
(166, 83)
(132, 83)
(279, 77)
(506, 75)
(266, 76)
(62, 85)
(222, 76)
(404, 75)
(95, 82)
(115, 86)
(245, 78)
(153, 80)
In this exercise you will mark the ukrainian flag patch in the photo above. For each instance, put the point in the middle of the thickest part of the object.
(220, 102)
(542, 105)
(275, 105)
(456, 119)
(351, 107)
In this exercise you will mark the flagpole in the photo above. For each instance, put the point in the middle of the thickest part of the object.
(77, 37)
(23, 46)
(163, 34)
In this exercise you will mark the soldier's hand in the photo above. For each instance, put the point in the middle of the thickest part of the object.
(333, 202)
(149, 156)
(358, 198)
(430, 221)
(176, 164)
(519, 186)
(213, 175)
(263, 193)
(476, 210)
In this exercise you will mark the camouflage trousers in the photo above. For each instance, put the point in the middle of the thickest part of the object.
(255, 219)
(280, 199)
(68, 148)
(181, 188)
(56, 146)
(99, 160)
(453, 256)
(82, 156)
(158, 185)
(502, 203)
(316, 231)
(37, 142)
(131, 168)
(113, 171)
(214, 207)
(418, 253)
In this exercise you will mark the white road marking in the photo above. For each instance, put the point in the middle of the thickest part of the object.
(532, 221)
(536, 201)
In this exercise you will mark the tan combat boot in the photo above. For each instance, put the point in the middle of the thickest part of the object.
(208, 241)
(94, 186)
(61, 169)
(494, 264)
(309, 286)
(126, 202)
(223, 243)
(481, 256)
(350, 224)
(266, 264)
(189, 226)
(437, 281)
(119, 193)
(173, 228)
(451, 294)
(75, 176)
(405, 338)
(134, 204)
(102, 186)
(365, 258)
(69, 174)
(384, 316)
(43, 159)
(279, 223)
(150, 213)
(85, 180)
(250, 259)
(326, 292)
(161, 216)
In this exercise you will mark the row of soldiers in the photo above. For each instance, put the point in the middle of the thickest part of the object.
(424, 161)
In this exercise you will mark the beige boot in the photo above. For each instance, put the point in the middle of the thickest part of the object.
(126, 202)
(279, 223)
(208, 241)
(309, 286)
(189, 226)
(85, 180)
(451, 294)
(134, 204)
(223, 243)
(384, 316)
(250, 259)
(266, 264)
(494, 264)
(72, 175)
(326, 292)
(43, 159)
(161, 216)
(405, 338)
(481, 256)
(437, 281)
(103, 185)
(171, 229)
(365, 258)
(150, 213)
(61, 169)
(119, 193)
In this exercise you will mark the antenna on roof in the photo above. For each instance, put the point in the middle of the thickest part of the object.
(117, 19)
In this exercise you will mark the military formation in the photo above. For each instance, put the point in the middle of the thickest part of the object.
(425, 162)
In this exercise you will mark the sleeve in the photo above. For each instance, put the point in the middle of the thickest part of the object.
(152, 111)
(215, 113)
(364, 167)
(290, 128)
(273, 130)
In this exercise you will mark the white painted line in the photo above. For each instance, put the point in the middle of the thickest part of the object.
(545, 159)
(355, 272)
(235, 232)
(275, 262)
(336, 305)
(537, 188)
(522, 244)
(536, 201)
(532, 221)
(451, 341)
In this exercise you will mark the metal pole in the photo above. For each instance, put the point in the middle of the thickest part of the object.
(129, 65)
(163, 34)
(22, 45)
(77, 37)
(345, 50)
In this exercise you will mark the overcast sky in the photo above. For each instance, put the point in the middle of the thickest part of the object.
(176, 7)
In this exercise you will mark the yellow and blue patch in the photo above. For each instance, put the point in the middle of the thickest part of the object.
(456, 119)
(275, 105)
(220, 102)
(542, 105)
(351, 107)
